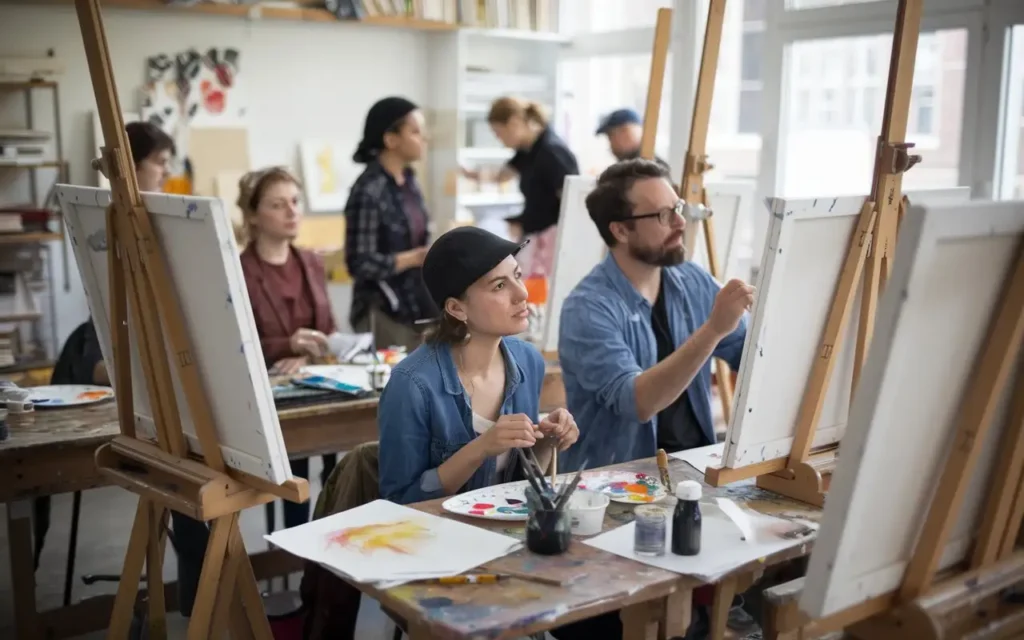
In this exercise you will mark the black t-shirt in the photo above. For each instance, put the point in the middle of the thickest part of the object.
(678, 428)
(542, 169)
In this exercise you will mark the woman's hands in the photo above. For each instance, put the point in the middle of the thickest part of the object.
(560, 426)
(307, 342)
(514, 431)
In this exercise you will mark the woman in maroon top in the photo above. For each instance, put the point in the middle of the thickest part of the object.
(287, 289)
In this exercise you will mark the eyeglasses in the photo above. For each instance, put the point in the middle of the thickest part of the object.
(665, 216)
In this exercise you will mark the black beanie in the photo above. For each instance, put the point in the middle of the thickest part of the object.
(381, 117)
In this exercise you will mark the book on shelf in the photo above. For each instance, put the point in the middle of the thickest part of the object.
(525, 15)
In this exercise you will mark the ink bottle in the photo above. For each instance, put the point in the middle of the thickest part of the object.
(686, 521)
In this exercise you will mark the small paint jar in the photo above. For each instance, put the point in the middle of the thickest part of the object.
(650, 530)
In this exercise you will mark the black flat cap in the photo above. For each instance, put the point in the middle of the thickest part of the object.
(460, 257)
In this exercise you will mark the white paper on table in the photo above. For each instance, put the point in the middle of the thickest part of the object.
(396, 544)
(722, 548)
(702, 457)
(357, 375)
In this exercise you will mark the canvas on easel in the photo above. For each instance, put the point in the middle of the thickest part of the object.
(732, 204)
(203, 264)
(802, 472)
(149, 317)
(801, 262)
(931, 470)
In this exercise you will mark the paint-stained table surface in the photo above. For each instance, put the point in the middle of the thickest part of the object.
(54, 454)
(601, 582)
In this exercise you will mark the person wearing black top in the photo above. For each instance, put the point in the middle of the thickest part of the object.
(541, 161)
(387, 227)
(625, 131)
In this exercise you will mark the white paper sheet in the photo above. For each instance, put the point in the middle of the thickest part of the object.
(357, 375)
(722, 548)
(382, 542)
(702, 457)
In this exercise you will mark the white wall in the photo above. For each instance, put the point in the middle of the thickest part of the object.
(301, 79)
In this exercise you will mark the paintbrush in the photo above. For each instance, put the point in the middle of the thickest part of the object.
(532, 577)
(666, 479)
(532, 479)
(540, 472)
(569, 489)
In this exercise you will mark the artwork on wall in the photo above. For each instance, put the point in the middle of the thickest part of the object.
(191, 89)
(327, 174)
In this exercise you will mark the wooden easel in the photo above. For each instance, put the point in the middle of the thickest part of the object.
(163, 475)
(696, 165)
(924, 609)
(804, 476)
(659, 58)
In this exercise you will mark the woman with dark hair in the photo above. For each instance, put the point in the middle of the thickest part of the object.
(151, 151)
(541, 161)
(387, 227)
(456, 407)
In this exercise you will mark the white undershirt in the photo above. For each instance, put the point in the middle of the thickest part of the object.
(481, 425)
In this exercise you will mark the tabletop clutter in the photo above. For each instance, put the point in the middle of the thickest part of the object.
(386, 545)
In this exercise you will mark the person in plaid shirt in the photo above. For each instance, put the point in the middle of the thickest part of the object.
(387, 227)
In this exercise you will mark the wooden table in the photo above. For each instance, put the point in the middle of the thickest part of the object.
(55, 455)
(604, 582)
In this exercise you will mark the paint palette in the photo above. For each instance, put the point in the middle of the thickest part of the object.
(625, 486)
(500, 502)
(68, 395)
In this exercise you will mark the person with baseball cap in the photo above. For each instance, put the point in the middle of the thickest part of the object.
(456, 407)
(625, 130)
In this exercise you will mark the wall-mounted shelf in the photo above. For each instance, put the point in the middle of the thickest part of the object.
(29, 238)
(272, 12)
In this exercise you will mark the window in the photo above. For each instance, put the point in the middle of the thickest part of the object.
(734, 139)
(583, 16)
(1010, 177)
(752, 55)
(593, 87)
(836, 115)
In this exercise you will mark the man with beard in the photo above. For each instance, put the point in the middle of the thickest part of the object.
(638, 332)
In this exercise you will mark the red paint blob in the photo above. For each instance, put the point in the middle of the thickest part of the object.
(483, 505)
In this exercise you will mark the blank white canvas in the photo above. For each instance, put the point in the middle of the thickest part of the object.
(578, 249)
(950, 269)
(202, 261)
(732, 207)
(801, 264)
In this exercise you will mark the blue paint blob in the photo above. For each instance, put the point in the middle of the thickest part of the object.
(438, 602)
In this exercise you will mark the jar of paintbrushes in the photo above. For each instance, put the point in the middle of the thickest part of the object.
(549, 523)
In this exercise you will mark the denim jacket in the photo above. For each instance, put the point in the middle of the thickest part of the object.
(425, 417)
(606, 340)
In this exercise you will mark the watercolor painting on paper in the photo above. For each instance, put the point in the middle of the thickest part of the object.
(386, 543)
(402, 537)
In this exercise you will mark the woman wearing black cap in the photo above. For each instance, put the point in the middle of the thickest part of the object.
(456, 407)
(387, 227)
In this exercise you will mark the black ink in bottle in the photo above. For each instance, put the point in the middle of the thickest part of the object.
(686, 519)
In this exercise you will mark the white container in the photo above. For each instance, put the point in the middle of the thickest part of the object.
(586, 512)
(378, 374)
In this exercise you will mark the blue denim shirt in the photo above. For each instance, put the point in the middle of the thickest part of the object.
(425, 417)
(605, 341)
